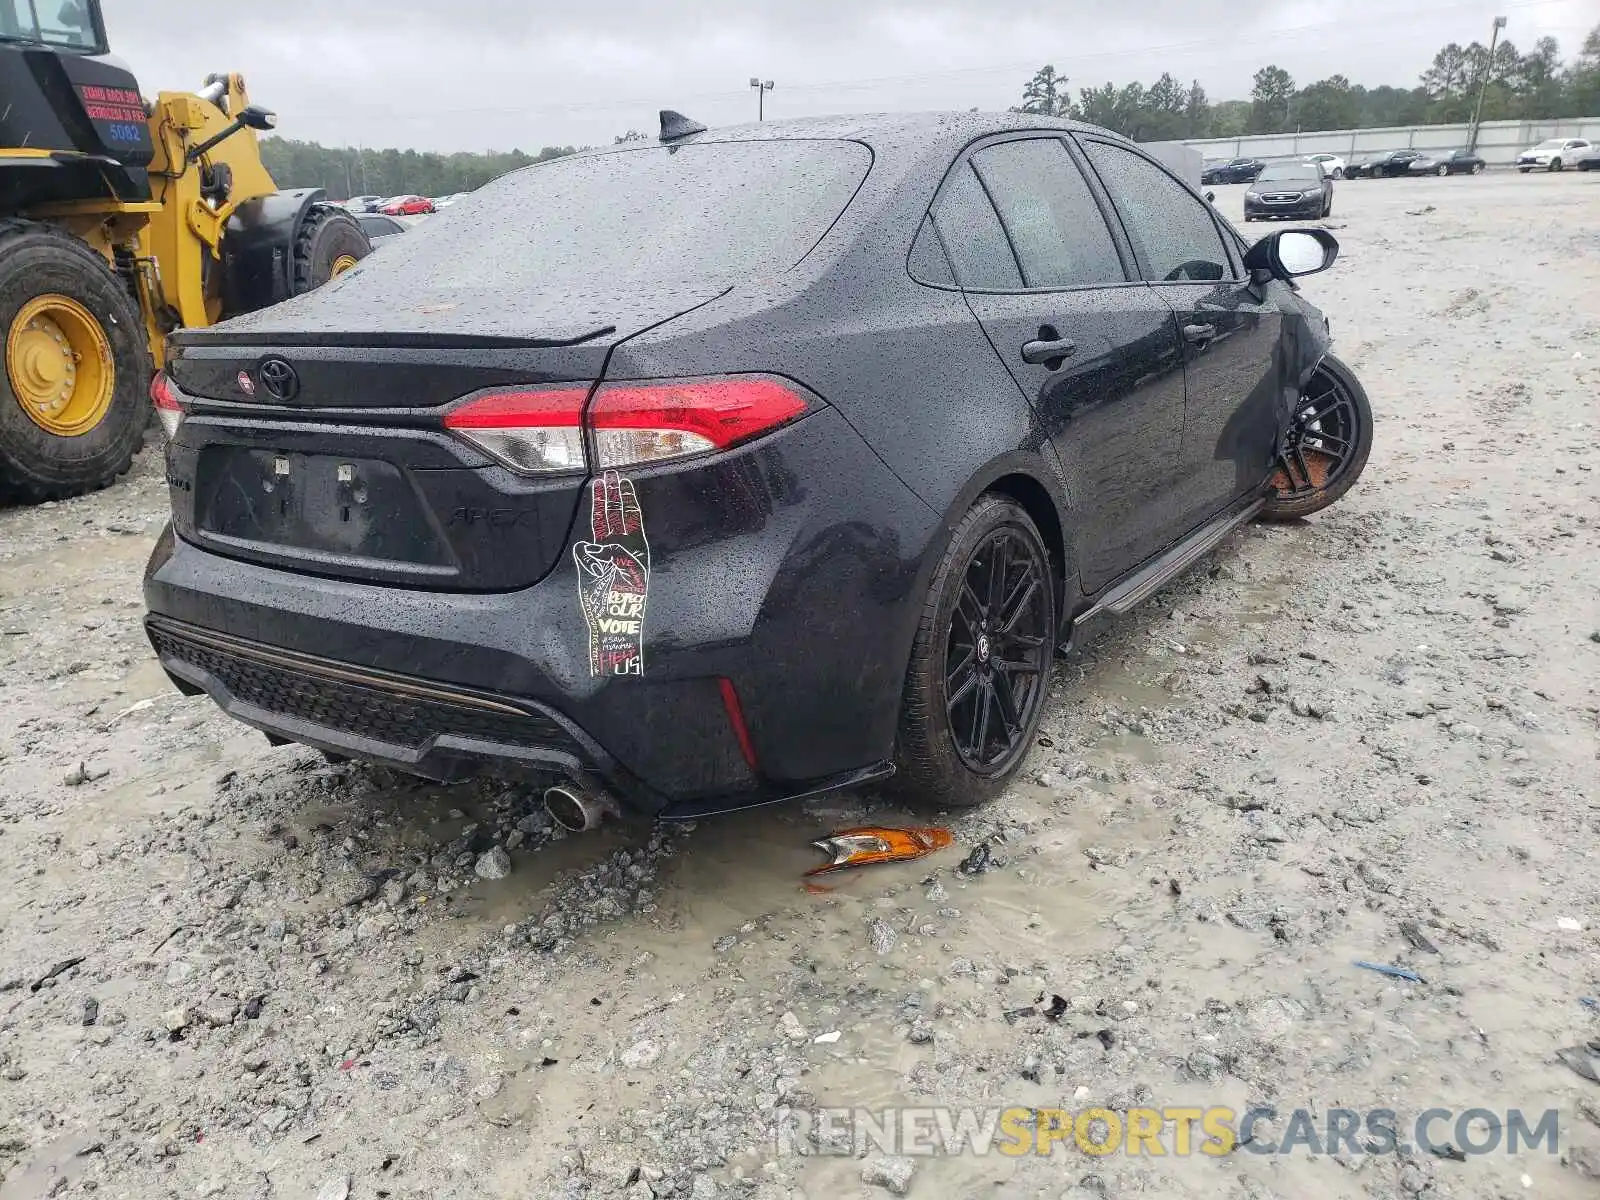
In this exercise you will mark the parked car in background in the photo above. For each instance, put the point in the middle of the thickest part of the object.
(631, 494)
(1302, 189)
(1332, 165)
(1235, 170)
(1589, 160)
(380, 228)
(446, 201)
(1553, 154)
(1457, 162)
(363, 204)
(1389, 163)
(407, 206)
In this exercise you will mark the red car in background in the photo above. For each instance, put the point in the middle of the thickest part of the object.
(407, 206)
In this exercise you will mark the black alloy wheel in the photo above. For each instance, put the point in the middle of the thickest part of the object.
(1326, 446)
(981, 662)
(996, 652)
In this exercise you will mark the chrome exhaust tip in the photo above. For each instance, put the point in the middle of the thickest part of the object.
(574, 809)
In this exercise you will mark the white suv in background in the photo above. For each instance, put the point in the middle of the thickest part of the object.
(1552, 154)
(1332, 165)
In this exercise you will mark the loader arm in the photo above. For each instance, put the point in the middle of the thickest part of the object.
(185, 234)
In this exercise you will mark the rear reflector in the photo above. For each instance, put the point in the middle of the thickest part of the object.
(735, 710)
(164, 394)
(542, 431)
(538, 432)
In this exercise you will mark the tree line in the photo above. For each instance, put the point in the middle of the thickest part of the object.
(1516, 86)
(346, 171)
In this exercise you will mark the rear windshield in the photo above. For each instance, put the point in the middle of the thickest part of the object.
(705, 211)
(1291, 171)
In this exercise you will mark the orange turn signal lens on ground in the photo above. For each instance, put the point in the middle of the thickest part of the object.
(877, 844)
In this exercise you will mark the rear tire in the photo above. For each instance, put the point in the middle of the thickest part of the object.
(1324, 456)
(935, 741)
(1338, 172)
(1477, 168)
(329, 244)
(50, 455)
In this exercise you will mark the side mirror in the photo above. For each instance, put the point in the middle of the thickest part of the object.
(1291, 253)
(258, 118)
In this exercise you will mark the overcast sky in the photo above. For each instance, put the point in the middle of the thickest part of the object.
(493, 74)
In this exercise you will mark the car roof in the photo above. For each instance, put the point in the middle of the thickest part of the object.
(919, 131)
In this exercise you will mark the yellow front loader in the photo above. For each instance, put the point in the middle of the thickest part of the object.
(121, 220)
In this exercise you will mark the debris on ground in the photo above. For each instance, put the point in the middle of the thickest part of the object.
(60, 968)
(81, 774)
(980, 860)
(1416, 939)
(1585, 1059)
(878, 844)
(1405, 973)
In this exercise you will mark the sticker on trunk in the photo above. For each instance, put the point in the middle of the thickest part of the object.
(614, 577)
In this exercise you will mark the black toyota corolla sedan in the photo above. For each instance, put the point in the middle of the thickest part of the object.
(739, 465)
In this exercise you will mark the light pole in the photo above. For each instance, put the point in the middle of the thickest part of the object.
(762, 87)
(1483, 84)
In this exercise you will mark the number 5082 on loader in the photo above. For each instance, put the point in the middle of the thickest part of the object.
(120, 221)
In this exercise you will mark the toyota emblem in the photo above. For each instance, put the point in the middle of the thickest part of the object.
(279, 378)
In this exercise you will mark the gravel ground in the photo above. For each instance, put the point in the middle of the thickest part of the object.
(228, 970)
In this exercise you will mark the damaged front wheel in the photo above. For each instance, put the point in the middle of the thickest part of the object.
(1326, 447)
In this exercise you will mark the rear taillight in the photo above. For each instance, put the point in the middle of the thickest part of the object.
(164, 394)
(538, 432)
(542, 431)
(649, 422)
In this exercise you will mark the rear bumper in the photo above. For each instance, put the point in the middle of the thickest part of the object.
(414, 725)
(800, 597)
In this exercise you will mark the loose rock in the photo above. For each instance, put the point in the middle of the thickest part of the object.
(890, 1172)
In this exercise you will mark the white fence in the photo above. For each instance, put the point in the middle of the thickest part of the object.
(1499, 142)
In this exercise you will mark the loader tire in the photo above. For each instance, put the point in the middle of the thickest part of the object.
(330, 243)
(74, 392)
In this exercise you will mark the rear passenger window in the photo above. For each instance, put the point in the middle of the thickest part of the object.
(1172, 230)
(1046, 206)
(972, 235)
